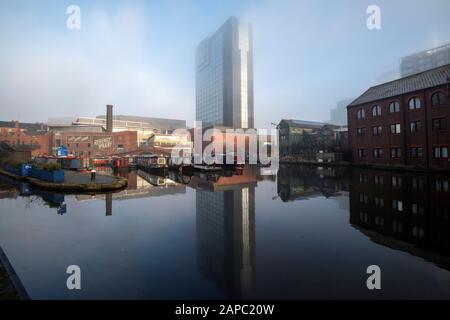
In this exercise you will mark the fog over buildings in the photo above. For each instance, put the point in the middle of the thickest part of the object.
(139, 56)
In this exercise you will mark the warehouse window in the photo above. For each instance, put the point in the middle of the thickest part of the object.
(416, 152)
(377, 130)
(440, 124)
(394, 107)
(415, 126)
(360, 114)
(396, 153)
(438, 99)
(395, 128)
(376, 111)
(361, 153)
(377, 153)
(440, 152)
(414, 103)
(397, 205)
(441, 185)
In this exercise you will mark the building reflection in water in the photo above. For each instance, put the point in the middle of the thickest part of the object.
(140, 185)
(225, 221)
(404, 211)
(303, 182)
(408, 212)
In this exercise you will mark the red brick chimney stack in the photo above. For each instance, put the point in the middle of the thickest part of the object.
(109, 118)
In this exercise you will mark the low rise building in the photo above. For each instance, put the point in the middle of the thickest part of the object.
(80, 140)
(145, 127)
(32, 137)
(403, 122)
(312, 141)
(166, 143)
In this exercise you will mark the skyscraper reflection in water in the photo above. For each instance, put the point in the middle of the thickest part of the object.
(225, 221)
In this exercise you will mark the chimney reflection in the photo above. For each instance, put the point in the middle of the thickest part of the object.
(226, 231)
(108, 201)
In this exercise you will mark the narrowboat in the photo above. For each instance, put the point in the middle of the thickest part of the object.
(152, 162)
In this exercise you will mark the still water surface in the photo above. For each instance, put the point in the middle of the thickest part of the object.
(303, 233)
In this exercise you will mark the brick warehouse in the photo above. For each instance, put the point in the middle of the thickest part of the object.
(81, 141)
(403, 122)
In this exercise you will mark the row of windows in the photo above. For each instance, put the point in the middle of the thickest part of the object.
(397, 205)
(397, 181)
(437, 99)
(414, 152)
(414, 126)
(397, 227)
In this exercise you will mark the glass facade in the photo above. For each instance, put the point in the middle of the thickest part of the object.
(425, 60)
(225, 238)
(224, 80)
(209, 97)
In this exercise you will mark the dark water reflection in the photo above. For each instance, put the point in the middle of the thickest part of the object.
(304, 233)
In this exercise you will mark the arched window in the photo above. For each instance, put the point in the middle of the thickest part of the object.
(394, 106)
(414, 103)
(438, 99)
(360, 114)
(376, 111)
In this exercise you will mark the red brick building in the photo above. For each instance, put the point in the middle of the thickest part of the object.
(403, 122)
(83, 141)
(25, 136)
(94, 144)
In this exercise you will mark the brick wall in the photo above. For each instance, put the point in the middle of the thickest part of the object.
(426, 138)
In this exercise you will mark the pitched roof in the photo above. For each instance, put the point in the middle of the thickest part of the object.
(427, 79)
(307, 124)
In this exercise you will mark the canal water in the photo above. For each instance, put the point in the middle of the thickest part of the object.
(302, 233)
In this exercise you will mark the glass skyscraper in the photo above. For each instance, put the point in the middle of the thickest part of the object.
(425, 60)
(224, 77)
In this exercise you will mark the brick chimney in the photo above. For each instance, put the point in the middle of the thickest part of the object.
(109, 118)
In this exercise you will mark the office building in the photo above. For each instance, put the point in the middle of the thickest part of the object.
(302, 140)
(224, 77)
(338, 115)
(145, 127)
(225, 224)
(425, 60)
(403, 122)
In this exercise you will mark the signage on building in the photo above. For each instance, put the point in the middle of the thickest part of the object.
(62, 151)
(75, 139)
(103, 142)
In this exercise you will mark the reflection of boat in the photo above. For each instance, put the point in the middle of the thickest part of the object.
(206, 168)
(180, 178)
(157, 181)
(151, 162)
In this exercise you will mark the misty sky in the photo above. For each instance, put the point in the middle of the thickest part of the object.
(139, 55)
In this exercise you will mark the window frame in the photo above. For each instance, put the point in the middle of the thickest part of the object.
(441, 99)
(360, 114)
(396, 126)
(417, 103)
(417, 124)
(377, 153)
(442, 124)
(378, 132)
(395, 105)
(376, 110)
